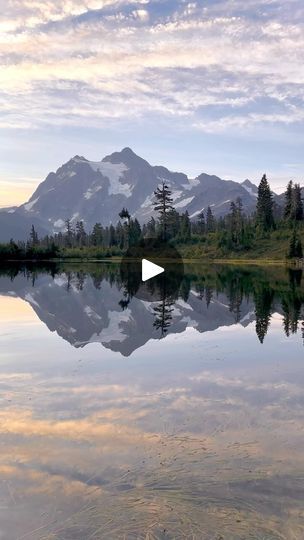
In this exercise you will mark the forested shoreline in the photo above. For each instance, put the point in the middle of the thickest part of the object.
(270, 232)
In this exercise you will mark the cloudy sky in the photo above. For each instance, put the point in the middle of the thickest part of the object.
(210, 86)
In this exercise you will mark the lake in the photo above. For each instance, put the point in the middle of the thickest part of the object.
(124, 418)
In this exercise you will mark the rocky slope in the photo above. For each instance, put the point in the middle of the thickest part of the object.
(96, 192)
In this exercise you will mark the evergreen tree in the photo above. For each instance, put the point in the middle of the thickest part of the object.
(134, 232)
(80, 234)
(201, 223)
(120, 235)
(264, 209)
(125, 215)
(185, 227)
(163, 205)
(288, 200)
(263, 296)
(97, 236)
(295, 246)
(151, 228)
(69, 233)
(210, 222)
(173, 225)
(112, 236)
(163, 315)
(298, 203)
(34, 237)
(235, 221)
(208, 295)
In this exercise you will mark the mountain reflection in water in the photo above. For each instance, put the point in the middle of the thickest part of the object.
(198, 434)
(96, 304)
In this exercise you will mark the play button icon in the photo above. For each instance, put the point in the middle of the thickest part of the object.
(150, 270)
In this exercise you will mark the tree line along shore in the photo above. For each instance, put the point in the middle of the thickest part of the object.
(270, 233)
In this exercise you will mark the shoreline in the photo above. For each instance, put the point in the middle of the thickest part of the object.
(262, 262)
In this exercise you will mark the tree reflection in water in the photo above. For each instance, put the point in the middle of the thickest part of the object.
(273, 289)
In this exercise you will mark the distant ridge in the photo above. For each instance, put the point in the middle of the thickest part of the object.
(96, 191)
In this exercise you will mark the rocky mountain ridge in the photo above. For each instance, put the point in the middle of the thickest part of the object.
(96, 191)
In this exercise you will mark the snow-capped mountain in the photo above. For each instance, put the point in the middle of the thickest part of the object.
(86, 314)
(96, 191)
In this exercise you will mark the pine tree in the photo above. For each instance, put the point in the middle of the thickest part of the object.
(34, 236)
(210, 222)
(263, 296)
(236, 223)
(97, 236)
(264, 209)
(288, 200)
(163, 315)
(151, 228)
(201, 223)
(80, 234)
(295, 246)
(298, 203)
(173, 223)
(120, 235)
(69, 233)
(112, 236)
(134, 232)
(208, 295)
(163, 205)
(185, 226)
(124, 214)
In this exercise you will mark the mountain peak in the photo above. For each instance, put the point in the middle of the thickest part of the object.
(78, 158)
(248, 183)
(96, 191)
(250, 187)
(128, 151)
(126, 156)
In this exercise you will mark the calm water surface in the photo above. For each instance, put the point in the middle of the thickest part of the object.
(127, 419)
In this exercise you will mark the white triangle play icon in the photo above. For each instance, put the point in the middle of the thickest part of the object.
(149, 269)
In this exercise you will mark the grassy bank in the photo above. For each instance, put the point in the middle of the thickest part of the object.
(272, 248)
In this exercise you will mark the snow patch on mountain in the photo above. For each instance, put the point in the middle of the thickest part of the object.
(59, 224)
(60, 281)
(28, 206)
(65, 175)
(197, 213)
(189, 321)
(224, 202)
(31, 300)
(192, 183)
(113, 332)
(184, 305)
(91, 192)
(114, 172)
(176, 195)
(184, 202)
(247, 317)
(147, 202)
(91, 313)
(250, 190)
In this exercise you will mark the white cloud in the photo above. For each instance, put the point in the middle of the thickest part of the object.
(218, 65)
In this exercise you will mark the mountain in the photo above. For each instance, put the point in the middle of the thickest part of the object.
(250, 188)
(91, 313)
(17, 225)
(96, 191)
